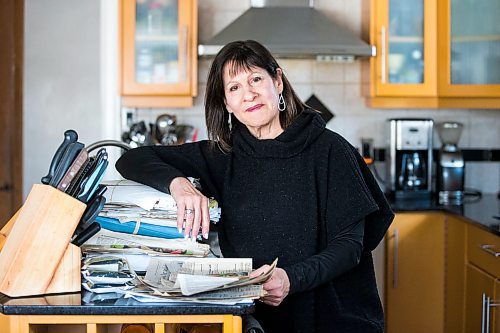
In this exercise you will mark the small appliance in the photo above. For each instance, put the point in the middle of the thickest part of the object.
(409, 160)
(451, 165)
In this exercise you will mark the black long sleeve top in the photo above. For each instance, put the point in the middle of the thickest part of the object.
(303, 197)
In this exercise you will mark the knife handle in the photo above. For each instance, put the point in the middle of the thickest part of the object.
(86, 234)
(67, 159)
(77, 164)
(69, 137)
(90, 214)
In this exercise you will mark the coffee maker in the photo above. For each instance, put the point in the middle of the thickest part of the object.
(451, 165)
(409, 160)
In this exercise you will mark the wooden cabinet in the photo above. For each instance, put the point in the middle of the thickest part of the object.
(482, 296)
(455, 258)
(111, 323)
(435, 54)
(442, 273)
(415, 249)
(158, 53)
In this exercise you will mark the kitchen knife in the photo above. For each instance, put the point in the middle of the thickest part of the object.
(86, 234)
(80, 180)
(74, 186)
(78, 163)
(100, 190)
(70, 153)
(93, 209)
(95, 163)
(89, 185)
(69, 137)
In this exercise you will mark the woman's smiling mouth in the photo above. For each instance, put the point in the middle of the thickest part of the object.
(254, 108)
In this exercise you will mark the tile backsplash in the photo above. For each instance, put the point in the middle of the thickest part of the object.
(338, 86)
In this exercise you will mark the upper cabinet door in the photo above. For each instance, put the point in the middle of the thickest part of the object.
(159, 52)
(469, 50)
(406, 43)
(435, 54)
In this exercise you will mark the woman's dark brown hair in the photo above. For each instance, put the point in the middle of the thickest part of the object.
(241, 55)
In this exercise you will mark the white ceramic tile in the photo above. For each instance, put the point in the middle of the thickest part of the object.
(353, 128)
(297, 70)
(304, 91)
(331, 95)
(483, 176)
(354, 102)
(352, 72)
(327, 72)
(484, 129)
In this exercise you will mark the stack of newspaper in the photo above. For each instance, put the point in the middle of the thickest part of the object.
(139, 254)
(139, 209)
(174, 279)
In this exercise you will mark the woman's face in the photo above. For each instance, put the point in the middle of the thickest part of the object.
(252, 96)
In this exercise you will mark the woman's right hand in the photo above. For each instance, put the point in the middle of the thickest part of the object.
(192, 208)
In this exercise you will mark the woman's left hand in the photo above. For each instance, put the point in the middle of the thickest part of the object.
(277, 286)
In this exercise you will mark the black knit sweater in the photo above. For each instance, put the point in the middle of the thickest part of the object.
(299, 197)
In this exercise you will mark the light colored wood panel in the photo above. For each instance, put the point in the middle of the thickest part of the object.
(432, 103)
(38, 241)
(478, 282)
(455, 274)
(157, 101)
(415, 273)
(481, 249)
(67, 277)
(108, 324)
(177, 94)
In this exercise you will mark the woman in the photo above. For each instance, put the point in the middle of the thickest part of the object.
(288, 188)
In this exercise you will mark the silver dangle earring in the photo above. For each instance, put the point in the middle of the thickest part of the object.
(281, 103)
(229, 122)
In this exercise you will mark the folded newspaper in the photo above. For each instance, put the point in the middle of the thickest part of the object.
(181, 279)
(186, 277)
(127, 200)
(106, 241)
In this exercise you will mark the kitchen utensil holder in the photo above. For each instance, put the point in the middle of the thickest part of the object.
(37, 257)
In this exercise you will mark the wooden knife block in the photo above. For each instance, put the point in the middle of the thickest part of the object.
(37, 257)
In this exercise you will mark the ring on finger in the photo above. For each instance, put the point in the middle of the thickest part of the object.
(189, 211)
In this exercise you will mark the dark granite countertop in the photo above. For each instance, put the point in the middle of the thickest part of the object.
(483, 211)
(74, 304)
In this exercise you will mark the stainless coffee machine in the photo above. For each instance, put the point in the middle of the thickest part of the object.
(409, 160)
(451, 165)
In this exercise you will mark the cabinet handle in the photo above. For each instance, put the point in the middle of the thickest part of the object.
(488, 248)
(382, 54)
(395, 260)
(185, 42)
(487, 303)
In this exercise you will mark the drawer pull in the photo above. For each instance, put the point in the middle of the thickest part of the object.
(395, 259)
(490, 249)
(487, 303)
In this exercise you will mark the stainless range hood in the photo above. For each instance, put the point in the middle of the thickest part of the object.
(290, 32)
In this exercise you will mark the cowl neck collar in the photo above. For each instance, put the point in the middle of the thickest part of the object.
(299, 135)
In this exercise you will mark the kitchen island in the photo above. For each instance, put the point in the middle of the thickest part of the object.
(70, 313)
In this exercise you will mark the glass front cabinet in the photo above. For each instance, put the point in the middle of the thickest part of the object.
(158, 53)
(435, 53)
